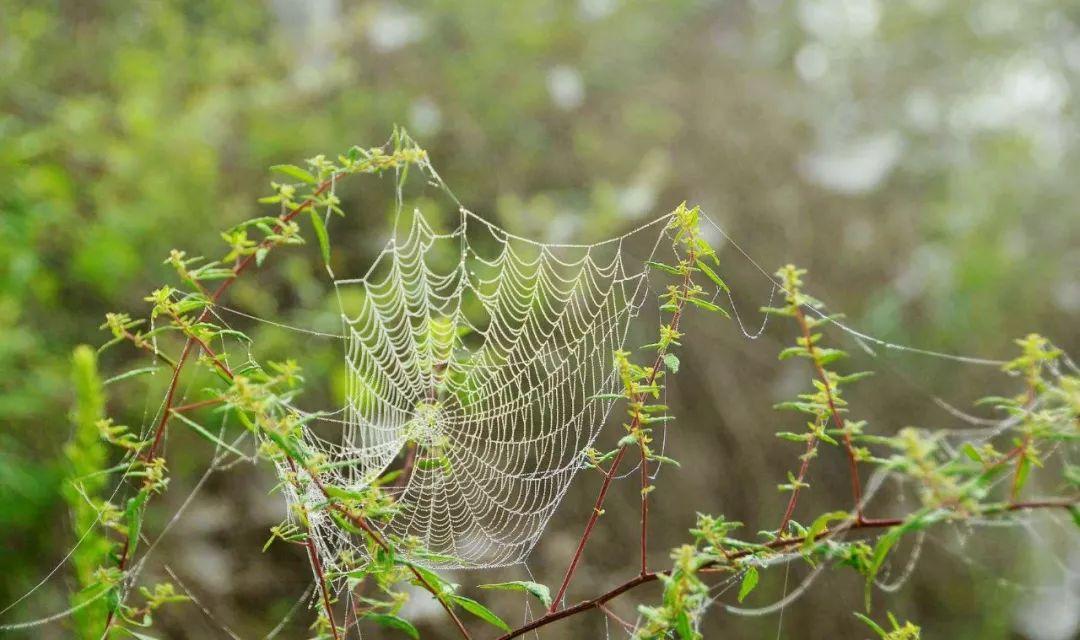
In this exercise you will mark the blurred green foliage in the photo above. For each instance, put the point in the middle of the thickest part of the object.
(83, 485)
(916, 155)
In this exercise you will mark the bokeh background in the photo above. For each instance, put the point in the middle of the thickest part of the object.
(920, 157)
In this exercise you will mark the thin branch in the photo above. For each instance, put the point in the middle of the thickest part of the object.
(778, 544)
(362, 524)
(238, 269)
(644, 510)
(811, 447)
(197, 405)
(313, 554)
(598, 506)
(838, 420)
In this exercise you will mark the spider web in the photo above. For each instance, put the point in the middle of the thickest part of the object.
(483, 359)
(486, 352)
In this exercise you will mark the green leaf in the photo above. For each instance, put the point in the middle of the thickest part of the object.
(971, 452)
(294, 171)
(664, 267)
(853, 377)
(393, 622)
(133, 518)
(201, 430)
(684, 628)
(480, 611)
(1074, 511)
(1022, 472)
(706, 305)
(712, 275)
(820, 524)
(749, 581)
(434, 580)
(542, 593)
(320, 233)
(664, 460)
(671, 361)
(607, 396)
(130, 374)
(873, 625)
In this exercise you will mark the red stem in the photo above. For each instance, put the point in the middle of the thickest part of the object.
(170, 397)
(644, 511)
(866, 523)
(610, 474)
(849, 447)
(597, 508)
(362, 524)
(240, 267)
(790, 511)
(317, 565)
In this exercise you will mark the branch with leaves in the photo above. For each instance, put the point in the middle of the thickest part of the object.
(954, 484)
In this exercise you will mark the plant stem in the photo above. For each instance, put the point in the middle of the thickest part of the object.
(598, 506)
(780, 543)
(811, 445)
(313, 555)
(238, 269)
(838, 420)
(644, 510)
(362, 524)
(170, 395)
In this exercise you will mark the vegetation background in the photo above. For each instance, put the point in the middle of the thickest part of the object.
(918, 156)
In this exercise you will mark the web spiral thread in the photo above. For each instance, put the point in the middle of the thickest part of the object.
(480, 356)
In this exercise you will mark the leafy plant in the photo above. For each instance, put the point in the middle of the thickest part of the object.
(257, 400)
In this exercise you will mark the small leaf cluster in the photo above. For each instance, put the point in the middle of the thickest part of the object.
(180, 324)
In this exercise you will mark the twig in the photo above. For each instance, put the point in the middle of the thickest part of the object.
(362, 524)
(598, 506)
(780, 543)
(644, 510)
(811, 446)
(849, 447)
(313, 554)
(170, 394)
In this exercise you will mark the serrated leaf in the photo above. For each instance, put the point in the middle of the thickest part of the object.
(133, 518)
(671, 361)
(749, 581)
(853, 377)
(389, 621)
(541, 592)
(294, 171)
(480, 611)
